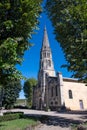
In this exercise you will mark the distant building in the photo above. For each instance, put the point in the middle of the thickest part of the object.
(53, 90)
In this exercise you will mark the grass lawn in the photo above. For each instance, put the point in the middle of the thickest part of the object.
(19, 124)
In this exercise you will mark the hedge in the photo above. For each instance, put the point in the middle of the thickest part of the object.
(10, 112)
(13, 116)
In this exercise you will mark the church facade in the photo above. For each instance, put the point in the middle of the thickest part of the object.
(53, 91)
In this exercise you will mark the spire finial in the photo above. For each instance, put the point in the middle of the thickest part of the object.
(45, 27)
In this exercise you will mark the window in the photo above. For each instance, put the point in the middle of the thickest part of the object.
(48, 55)
(44, 54)
(81, 104)
(56, 89)
(51, 103)
(44, 47)
(52, 91)
(56, 102)
(70, 94)
(49, 62)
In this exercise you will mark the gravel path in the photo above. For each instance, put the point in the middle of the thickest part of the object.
(51, 127)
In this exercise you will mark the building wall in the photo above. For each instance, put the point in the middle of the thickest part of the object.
(50, 72)
(79, 92)
(53, 93)
(54, 97)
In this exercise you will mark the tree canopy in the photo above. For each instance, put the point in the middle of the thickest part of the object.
(69, 18)
(18, 19)
(28, 89)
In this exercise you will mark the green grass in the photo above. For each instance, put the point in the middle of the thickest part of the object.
(19, 124)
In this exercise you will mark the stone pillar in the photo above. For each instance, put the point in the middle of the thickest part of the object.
(43, 88)
(47, 92)
(60, 83)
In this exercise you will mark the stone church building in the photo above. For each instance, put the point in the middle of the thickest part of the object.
(53, 90)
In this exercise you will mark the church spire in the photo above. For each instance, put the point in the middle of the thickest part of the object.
(46, 62)
(46, 67)
(45, 43)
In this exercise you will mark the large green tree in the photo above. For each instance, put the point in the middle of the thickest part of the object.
(18, 19)
(11, 92)
(28, 90)
(69, 18)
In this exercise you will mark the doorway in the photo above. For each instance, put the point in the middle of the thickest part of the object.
(81, 104)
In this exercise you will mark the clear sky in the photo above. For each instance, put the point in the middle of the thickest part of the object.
(30, 65)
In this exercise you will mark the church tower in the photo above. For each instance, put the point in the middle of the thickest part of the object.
(46, 63)
(46, 66)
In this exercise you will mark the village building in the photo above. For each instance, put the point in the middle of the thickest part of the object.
(53, 91)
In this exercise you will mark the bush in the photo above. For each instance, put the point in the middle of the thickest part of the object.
(20, 113)
(11, 116)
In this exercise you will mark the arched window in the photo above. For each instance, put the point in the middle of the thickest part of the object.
(56, 102)
(51, 103)
(52, 92)
(70, 94)
(48, 55)
(56, 91)
(49, 62)
(44, 55)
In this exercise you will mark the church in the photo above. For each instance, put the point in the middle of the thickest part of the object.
(53, 91)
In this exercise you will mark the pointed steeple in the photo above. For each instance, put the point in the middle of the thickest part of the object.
(46, 67)
(46, 62)
(45, 43)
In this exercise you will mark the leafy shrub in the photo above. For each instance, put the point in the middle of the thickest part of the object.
(10, 112)
(11, 116)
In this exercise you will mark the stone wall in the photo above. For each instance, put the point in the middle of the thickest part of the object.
(79, 95)
(53, 93)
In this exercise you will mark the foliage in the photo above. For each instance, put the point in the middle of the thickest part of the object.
(11, 93)
(8, 117)
(28, 89)
(1, 96)
(18, 19)
(11, 112)
(69, 18)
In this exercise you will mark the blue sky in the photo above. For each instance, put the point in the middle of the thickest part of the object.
(30, 65)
